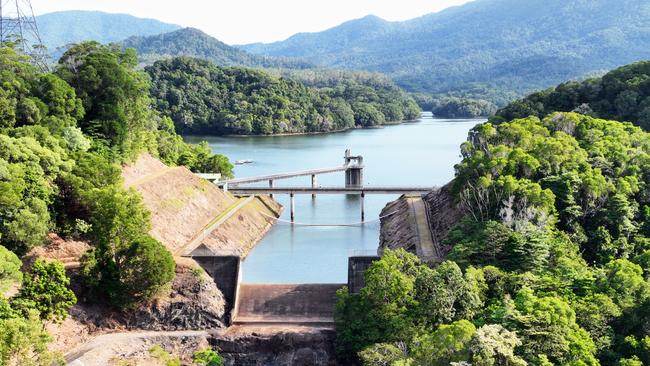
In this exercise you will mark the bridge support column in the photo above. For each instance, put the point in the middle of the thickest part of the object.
(271, 186)
(293, 206)
(313, 185)
(363, 209)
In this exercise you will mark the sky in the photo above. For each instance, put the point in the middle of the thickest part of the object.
(248, 21)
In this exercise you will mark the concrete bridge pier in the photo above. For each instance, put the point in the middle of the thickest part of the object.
(293, 206)
(363, 210)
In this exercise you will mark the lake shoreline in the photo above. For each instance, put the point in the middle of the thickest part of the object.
(393, 123)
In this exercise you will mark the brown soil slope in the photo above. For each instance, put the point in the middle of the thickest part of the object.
(183, 205)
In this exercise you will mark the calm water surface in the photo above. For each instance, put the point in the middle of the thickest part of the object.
(422, 153)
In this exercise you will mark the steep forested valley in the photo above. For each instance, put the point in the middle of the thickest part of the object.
(539, 253)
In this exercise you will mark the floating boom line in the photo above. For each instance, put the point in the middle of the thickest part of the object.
(355, 224)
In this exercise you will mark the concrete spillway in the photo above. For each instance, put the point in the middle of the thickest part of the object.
(274, 303)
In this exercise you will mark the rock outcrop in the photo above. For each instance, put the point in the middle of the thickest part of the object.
(276, 346)
(399, 227)
(195, 302)
(444, 212)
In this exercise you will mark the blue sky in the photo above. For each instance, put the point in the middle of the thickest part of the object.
(247, 21)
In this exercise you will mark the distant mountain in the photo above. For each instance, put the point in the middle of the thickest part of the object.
(64, 27)
(193, 42)
(471, 50)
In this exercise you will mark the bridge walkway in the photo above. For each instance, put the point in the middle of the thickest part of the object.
(330, 190)
(271, 177)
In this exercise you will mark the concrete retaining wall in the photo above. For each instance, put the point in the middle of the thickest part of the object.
(357, 267)
(225, 271)
(304, 303)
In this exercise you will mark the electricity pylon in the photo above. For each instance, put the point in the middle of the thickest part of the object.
(18, 27)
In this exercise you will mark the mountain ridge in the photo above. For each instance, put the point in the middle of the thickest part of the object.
(507, 45)
(193, 42)
(60, 28)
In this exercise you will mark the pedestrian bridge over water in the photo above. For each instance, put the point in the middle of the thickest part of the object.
(353, 168)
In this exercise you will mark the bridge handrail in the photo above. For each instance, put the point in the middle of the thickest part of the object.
(287, 175)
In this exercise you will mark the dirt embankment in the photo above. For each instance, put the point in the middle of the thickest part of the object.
(400, 230)
(183, 206)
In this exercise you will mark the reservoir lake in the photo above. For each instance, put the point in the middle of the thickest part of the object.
(421, 153)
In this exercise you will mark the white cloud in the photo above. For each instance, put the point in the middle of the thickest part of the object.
(247, 21)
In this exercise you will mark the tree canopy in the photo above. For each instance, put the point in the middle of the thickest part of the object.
(62, 138)
(201, 97)
(548, 267)
(622, 94)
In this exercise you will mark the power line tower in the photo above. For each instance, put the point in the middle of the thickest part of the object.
(18, 27)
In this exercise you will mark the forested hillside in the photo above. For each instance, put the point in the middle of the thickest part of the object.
(202, 97)
(622, 94)
(194, 43)
(62, 137)
(489, 49)
(548, 267)
(64, 27)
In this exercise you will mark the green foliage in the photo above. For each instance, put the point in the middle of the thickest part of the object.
(10, 273)
(456, 107)
(45, 289)
(547, 327)
(400, 295)
(201, 97)
(493, 345)
(114, 95)
(23, 341)
(207, 357)
(448, 343)
(444, 294)
(554, 249)
(582, 175)
(163, 356)
(381, 354)
(622, 94)
(127, 265)
(380, 312)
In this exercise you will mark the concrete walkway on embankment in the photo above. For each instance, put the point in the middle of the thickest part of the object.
(424, 246)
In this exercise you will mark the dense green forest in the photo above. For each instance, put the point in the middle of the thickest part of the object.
(485, 49)
(195, 43)
(455, 107)
(63, 135)
(201, 97)
(622, 94)
(550, 265)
